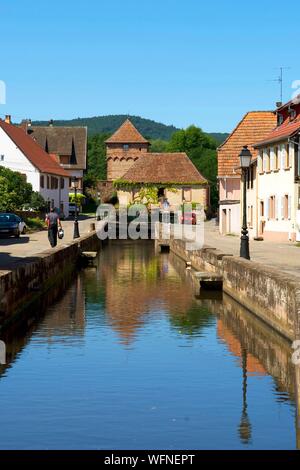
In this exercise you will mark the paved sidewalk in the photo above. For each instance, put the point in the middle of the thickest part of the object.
(283, 256)
(14, 251)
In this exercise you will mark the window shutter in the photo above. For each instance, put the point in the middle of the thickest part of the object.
(282, 207)
(282, 156)
(264, 162)
(267, 208)
(276, 208)
(289, 207)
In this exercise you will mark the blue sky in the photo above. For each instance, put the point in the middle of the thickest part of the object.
(177, 62)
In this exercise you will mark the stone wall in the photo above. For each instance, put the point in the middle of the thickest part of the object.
(271, 295)
(22, 286)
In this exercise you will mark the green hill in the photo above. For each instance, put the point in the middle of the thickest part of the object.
(109, 124)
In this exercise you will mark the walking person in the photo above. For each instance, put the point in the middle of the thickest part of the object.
(53, 222)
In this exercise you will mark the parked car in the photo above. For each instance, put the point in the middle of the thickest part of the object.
(11, 224)
(189, 218)
(72, 208)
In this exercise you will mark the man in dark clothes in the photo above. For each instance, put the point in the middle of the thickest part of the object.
(52, 221)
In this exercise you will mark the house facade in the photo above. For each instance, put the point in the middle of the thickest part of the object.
(133, 168)
(68, 144)
(278, 175)
(254, 126)
(20, 153)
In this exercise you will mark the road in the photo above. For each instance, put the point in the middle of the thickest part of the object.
(14, 251)
(283, 256)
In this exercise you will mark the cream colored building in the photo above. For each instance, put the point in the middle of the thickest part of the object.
(273, 209)
(143, 176)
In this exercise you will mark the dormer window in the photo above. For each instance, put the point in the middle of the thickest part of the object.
(280, 119)
(125, 147)
(293, 114)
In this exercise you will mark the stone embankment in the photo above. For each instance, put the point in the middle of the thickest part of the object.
(268, 293)
(46, 272)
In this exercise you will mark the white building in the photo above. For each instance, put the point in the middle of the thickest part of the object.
(275, 195)
(21, 153)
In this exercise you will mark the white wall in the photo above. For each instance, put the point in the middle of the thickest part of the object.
(229, 219)
(277, 183)
(15, 160)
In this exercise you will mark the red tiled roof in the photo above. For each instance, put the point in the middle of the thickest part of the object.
(287, 129)
(44, 162)
(254, 126)
(164, 168)
(127, 134)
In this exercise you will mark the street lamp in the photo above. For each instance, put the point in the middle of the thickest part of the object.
(245, 160)
(74, 185)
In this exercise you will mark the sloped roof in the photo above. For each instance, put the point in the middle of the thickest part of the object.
(164, 168)
(44, 162)
(287, 129)
(127, 134)
(254, 126)
(71, 141)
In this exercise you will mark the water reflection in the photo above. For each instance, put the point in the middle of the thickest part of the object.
(149, 353)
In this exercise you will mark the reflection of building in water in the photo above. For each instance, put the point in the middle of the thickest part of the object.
(67, 316)
(234, 345)
(137, 282)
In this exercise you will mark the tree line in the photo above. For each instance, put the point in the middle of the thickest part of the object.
(199, 146)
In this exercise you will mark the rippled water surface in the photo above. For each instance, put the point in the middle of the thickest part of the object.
(132, 357)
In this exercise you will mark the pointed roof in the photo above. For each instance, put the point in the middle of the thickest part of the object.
(164, 168)
(44, 162)
(254, 126)
(127, 134)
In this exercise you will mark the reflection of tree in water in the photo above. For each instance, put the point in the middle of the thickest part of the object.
(132, 283)
(193, 321)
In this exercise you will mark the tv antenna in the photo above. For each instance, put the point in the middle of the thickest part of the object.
(280, 80)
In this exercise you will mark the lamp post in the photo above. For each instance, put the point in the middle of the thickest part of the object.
(76, 225)
(245, 160)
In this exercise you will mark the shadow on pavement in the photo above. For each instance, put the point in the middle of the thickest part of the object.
(13, 241)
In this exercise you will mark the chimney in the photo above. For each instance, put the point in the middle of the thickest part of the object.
(8, 119)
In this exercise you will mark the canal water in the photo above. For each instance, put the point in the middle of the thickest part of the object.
(134, 357)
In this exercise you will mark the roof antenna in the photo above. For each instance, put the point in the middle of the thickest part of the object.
(280, 81)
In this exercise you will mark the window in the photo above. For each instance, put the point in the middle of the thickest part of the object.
(42, 181)
(268, 161)
(287, 156)
(286, 207)
(280, 119)
(1, 158)
(125, 147)
(62, 183)
(187, 195)
(272, 207)
(276, 159)
(260, 161)
(48, 182)
(262, 209)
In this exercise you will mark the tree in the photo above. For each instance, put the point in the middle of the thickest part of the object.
(201, 149)
(37, 202)
(14, 191)
(96, 160)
